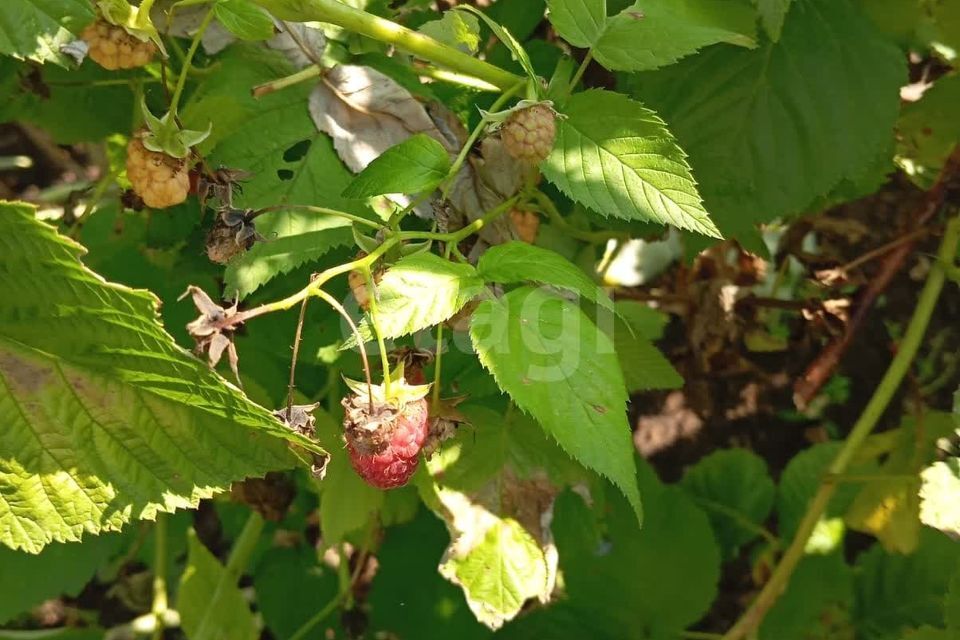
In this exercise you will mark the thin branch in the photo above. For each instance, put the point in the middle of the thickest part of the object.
(298, 335)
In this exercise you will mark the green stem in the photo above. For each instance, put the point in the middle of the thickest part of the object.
(587, 59)
(160, 604)
(374, 320)
(468, 145)
(438, 366)
(457, 236)
(369, 25)
(739, 519)
(185, 69)
(243, 547)
(452, 77)
(927, 302)
(307, 73)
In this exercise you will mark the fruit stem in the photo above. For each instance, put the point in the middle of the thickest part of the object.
(374, 320)
(185, 69)
(297, 336)
(363, 23)
(468, 145)
(159, 607)
(906, 351)
(547, 207)
(457, 236)
(303, 75)
(323, 295)
(438, 356)
(587, 59)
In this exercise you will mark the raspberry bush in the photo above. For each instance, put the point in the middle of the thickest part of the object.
(516, 318)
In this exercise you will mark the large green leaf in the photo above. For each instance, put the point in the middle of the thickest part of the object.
(417, 164)
(494, 486)
(626, 583)
(35, 29)
(521, 262)
(771, 129)
(579, 22)
(106, 419)
(816, 603)
(561, 369)
(644, 366)
(420, 291)
(894, 592)
(617, 157)
(735, 489)
(244, 19)
(651, 33)
(210, 604)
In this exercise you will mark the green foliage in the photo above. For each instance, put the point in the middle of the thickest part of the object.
(417, 164)
(291, 586)
(244, 19)
(895, 592)
(420, 291)
(136, 397)
(35, 30)
(617, 157)
(735, 490)
(456, 28)
(644, 366)
(516, 261)
(816, 604)
(209, 602)
(558, 367)
(26, 580)
(770, 129)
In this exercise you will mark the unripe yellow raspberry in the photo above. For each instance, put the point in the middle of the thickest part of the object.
(528, 134)
(160, 180)
(112, 47)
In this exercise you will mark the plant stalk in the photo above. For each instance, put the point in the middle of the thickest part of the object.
(160, 604)
(372, 26)
(927, 302)
(185, 69)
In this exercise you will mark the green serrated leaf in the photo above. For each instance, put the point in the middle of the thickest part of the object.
(762, 141)
(210, 604)
(420, 291)
(26, 580)
(244, 19)
(294, 239)
(651, 33)
(36, 29)
(735, 490)
(579, 22)
(456, 28)
(654, 33)
(521, 262)
(895, 592)
(816, 603)
(151, 427)
(617, 157)
(417, 164)
(558, 367)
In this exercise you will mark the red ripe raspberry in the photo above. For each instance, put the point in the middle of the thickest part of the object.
(112, 47)
(160, 180)
(384, 445)
(528, 134)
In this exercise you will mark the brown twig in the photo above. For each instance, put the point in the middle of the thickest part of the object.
(820, 370)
